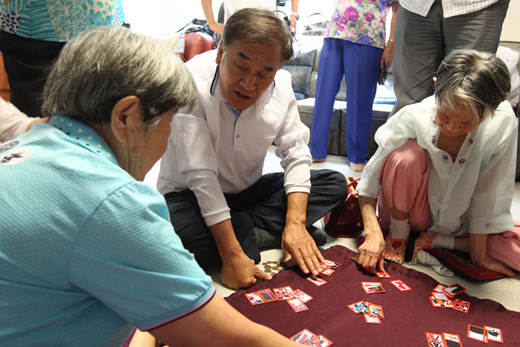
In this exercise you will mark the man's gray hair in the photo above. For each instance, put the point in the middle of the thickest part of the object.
(253, 25)
(478, 80)
(100, 67)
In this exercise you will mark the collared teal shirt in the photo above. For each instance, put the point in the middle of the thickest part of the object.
(85, 249)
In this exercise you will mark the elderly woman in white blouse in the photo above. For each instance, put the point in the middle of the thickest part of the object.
(443, 175)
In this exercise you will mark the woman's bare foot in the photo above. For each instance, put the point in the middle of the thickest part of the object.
(357, 167)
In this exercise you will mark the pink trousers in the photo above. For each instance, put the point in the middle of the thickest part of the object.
(404, 184)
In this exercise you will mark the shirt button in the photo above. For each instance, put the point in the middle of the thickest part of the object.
(238, 136)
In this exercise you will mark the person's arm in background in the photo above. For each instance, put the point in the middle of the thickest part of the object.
(294, 16)
(207, 7)
(218, 324)
(387, 57)
(14, 122)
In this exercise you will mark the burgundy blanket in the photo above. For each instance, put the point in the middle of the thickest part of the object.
(407, 315)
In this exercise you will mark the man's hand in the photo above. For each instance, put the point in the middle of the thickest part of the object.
(241, 272)
(372, 254)
(300, 246)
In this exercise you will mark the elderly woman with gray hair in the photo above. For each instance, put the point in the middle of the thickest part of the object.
(443, 175)
(88, 251)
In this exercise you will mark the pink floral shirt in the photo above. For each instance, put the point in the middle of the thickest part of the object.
(360, 21)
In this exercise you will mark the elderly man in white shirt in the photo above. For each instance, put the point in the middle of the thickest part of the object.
(211, 174)
(427, 30)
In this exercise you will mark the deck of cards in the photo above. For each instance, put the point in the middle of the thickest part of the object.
(372, 313)
(444, 296)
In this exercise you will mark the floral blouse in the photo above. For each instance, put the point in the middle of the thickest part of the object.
(360, 21)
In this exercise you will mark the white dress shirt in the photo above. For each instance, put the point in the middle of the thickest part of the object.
(471, 194)
(12, 121)
(451, 8)
(211, 151)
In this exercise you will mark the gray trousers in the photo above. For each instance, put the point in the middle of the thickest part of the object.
(421, 43)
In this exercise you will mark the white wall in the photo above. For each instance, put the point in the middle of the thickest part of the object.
(511, 27)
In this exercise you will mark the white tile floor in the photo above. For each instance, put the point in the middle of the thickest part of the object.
(504, 291)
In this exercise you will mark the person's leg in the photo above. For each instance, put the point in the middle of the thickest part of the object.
(27, 63)
(505, 247)
(330, 74)
(196, 237)
(478, 30)
(361, 64)
(403, 202)
(266, 200)
(418, 51)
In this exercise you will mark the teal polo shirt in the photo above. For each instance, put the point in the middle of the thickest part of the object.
(86, 251)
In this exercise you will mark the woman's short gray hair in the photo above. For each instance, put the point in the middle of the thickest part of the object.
(100, 67)
(258, 26)
(479, 80)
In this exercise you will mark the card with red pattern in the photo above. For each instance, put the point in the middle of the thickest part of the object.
(299, 294)
(331, 264)
(373, 287)
(434, 340)
(316, 280)
(254, 298)
(494, 334)
(461, 305)
(267, 295)
(453, 290)
(283, 293)
(401, 285)
(477, 333)
(451, 340)
(303, 336)
(371, 320)
(376, 311)
(297, 305)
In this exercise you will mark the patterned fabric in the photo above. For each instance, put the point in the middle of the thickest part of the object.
(57, 20)
(450, 8)
(360, 21)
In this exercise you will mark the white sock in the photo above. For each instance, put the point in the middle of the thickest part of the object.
(400, 229)
(443, 241)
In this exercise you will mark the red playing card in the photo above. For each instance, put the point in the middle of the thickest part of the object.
(254, 298)
(297, 305)
(371, 320)
(477, 333)
(494, 334)
(454, 290)
(434, 339)
(383, 274)
(283, 293)
(267, 295)
(316, 280)
(373, 287)
(401, 285)
(303, 337)
(304, 297)
(461, 305)
(451, 340)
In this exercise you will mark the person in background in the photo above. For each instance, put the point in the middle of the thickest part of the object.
(427, 30)
(355, 47)
(87, 249)
(231, 6)
(221, 205)
(443, 175)
(13, 122)
(32, 34)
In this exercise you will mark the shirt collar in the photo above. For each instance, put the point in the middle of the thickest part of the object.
(83, 135)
